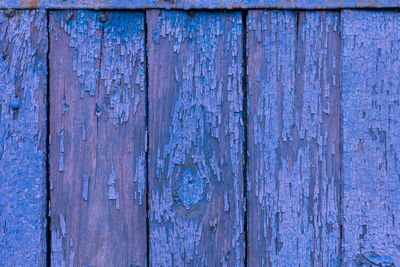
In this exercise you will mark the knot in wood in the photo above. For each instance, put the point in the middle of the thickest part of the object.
(191, 188)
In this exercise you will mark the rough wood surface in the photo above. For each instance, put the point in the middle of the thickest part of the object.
(23, 43)
(199, 4)
(97, 116)
(293, 138)
(196, 138)
(371, 138)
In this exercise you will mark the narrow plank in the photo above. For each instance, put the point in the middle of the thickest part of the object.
(97, 106)
(293, 138)
(199, 4)
(371, 139)
(23, 118)
(196, 139)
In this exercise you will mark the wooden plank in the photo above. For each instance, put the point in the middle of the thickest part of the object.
(196, 139)
(23, 118)
(293, 138)
(371, 140)
(97, 106)
(199, 4)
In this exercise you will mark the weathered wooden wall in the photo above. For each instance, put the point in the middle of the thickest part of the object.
(228, 138)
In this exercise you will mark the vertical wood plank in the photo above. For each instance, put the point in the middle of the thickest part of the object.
(371, 138)
(97, 83)
(196, 138)
(23, 72)
(293, 138)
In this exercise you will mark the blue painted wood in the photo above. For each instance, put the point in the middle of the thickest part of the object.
(293, 138)
(199, 4)
(196, 139)
(297, 196)
(371, 138)
(23, 46)
(97, 126)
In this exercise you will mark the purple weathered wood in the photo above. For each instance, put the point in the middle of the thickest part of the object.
(199, 4)
(293, 138)
(23, 118)
(371, 138)
(97, 126)
(196, 138)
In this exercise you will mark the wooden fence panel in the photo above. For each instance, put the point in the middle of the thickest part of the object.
(293, 138)
(196, 138)
(97, 116)
(23, 119)
(322, 102)
(371, 137)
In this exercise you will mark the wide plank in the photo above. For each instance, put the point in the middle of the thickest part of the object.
(371, 138)
(196, 137)
(97, 127)
(23, 131)
(293, 133)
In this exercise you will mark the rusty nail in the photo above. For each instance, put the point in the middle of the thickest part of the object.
(98, 110)
(103, 18)
(15, 103)
(69, 16)
(9, 13)
(175, 196)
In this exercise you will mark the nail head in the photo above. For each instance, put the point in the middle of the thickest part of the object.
(103, 18)
(15, 103)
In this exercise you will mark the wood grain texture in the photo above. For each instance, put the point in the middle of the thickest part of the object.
(293, 138)
(97, 107)
(371, 138)
(199, 4)
(196, 139)
(23, 44)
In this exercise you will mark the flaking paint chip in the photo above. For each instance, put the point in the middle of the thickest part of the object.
(63, 225)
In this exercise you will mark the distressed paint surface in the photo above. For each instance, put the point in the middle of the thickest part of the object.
(196, 138)
(371, 138)
(293, 138)
(97, 116)
(199, 4)
(23, 42)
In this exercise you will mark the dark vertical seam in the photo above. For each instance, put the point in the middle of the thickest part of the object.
(244, 88)
(147, 139)
(47, 208)
(340, 183)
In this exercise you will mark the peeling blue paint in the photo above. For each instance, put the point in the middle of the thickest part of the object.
(23, 74)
